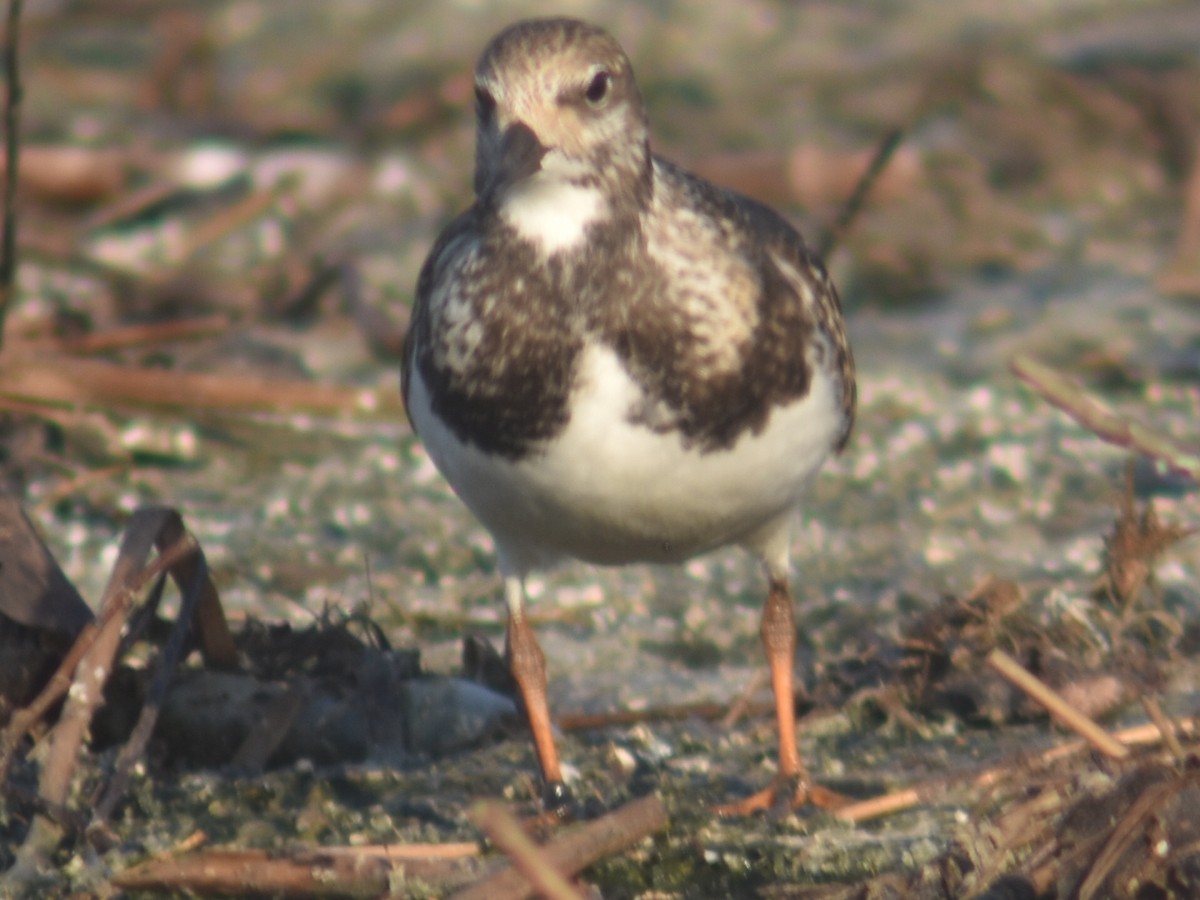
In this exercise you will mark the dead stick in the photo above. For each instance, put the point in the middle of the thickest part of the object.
(60, 681)
(1101, 421)
(271, 728)
(12, 146)
(854, 204)
(526, 856)
(76, 484)
(1059, 708)
(621, 717)
(906, 798)
(69, 380)
(253, 206)
(1165, 727)
(24, 719)
(165, 666)
(27, 801)
(1123, 834)
(738, 709)
(140, 335)
(244, 873)
(129, 576)
(402, 852)
(577, 849)
(883, 805)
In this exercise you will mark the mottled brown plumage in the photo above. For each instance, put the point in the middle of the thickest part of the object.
(611, 359)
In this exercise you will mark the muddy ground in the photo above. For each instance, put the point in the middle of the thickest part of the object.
(269, 177)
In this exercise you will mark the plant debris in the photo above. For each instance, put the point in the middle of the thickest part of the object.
(222, 211)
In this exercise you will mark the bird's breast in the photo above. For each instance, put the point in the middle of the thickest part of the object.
(610, 490)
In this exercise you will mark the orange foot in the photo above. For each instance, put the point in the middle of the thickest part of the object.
(783, 795)
(556, 807)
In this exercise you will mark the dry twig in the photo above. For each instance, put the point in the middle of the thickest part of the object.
(190, 570)
(670, 713)
(1060, 709)
(139, 334)
(1101, 421)
(24, 719)
(371, 871)
(1166, 729)
(855, 202)
(84, 382)
(527, 857)
(311, 873)
(906, 798)
(12, 146)
(578, 848)
(177, 554)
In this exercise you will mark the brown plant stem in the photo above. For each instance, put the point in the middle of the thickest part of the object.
(12, 145)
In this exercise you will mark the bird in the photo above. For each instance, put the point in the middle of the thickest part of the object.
(614, 361)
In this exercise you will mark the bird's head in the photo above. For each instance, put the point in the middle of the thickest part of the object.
(560, 122)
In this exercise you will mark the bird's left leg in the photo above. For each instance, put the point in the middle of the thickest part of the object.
(527, 664)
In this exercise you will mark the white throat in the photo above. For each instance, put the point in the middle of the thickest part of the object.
(552, 212)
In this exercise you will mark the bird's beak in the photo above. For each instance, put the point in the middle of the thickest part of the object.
(520, 156)
(520, 153)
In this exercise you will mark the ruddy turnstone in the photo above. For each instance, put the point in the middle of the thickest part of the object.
(612, 360)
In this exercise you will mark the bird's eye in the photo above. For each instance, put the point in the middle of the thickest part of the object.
(485, 103)
(598, 89)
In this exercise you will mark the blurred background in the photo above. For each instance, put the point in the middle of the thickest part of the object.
(224, 206)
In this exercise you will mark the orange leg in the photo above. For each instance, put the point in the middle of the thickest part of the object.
(778, 633)
(779, 638)
(528, 667)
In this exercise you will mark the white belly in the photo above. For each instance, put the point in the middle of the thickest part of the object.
(608, 491)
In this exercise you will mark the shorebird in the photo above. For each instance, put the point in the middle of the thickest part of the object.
(615, 361)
